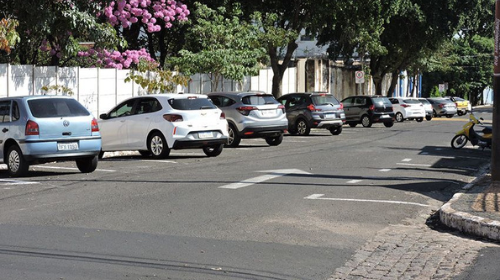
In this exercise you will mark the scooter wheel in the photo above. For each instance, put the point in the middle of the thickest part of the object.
(459, 141)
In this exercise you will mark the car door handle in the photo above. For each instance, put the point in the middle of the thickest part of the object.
(5, 130)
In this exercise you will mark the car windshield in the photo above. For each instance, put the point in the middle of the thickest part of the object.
(380, 101)
(424, 101)
(191, 103)
(56, 107)
(259, 100)
(324, 100)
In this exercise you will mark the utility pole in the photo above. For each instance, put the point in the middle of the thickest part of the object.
(495, 149)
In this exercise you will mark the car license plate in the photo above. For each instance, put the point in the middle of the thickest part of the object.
(268, 113)
(67, 146)
(384, 116)
(329, 116)
(205, 135)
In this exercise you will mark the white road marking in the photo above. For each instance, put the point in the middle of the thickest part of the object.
(414, 164)
(8, 182)
(385, 170)
(153, 160)
(406, 159)
(259, 179)
(354, 181)
(424, 153)
(320, 197)
(67, 168)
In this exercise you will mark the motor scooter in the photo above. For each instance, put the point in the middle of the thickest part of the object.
(467, 133)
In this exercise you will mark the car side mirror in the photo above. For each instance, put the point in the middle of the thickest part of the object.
(104, 116)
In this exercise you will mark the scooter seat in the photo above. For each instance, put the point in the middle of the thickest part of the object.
(487, 130)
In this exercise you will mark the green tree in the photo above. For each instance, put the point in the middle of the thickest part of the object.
(8, 34)
(221, 45)
(50, 30)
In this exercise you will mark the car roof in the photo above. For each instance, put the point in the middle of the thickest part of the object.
(239, 93)
(28, 97)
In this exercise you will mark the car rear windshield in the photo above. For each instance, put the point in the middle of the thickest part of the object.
(324, 100)
(56, 107)
(191, 103)
(411, 101)
(259, 100)
(380, 101)
(424, 101)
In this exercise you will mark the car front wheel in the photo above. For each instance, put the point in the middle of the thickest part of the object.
(274, 141)
(157, 145)
(213, 151)
(335, 130)
(399, 117)
(16, 164)
(87, 165)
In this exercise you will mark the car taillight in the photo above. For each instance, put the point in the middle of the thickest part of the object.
(222, 116)
(441, 106)
(282, 108)
(245, 110)
(312, 108)
(405, 105)
(341, 105)
(32, 128)
(94, 125)
(173, 117)
(371, 108)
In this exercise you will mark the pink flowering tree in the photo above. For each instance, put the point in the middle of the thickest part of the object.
(141, 23)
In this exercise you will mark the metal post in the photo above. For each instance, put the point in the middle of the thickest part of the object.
(495, 157)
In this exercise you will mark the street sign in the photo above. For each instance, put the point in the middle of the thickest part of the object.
(360, 77)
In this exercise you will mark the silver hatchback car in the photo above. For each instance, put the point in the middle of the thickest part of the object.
(39, 129)
(252, 115)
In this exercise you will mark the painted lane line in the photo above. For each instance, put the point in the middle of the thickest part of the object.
(165, 161)
(414, 164)
(385, 170)
(259, 179)
(16, 182)
(406, 160)
(67, 168)
(320, 197)
(354, 181)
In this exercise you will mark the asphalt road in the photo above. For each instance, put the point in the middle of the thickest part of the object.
(296, 211)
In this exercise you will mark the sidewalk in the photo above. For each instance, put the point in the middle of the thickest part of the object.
(475, 210)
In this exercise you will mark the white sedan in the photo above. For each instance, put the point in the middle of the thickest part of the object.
(155, 124)
(407, 108)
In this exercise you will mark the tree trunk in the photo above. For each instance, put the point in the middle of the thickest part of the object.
(394, 82)
(279, 69)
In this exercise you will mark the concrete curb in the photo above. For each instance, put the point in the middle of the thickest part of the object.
(467, 223)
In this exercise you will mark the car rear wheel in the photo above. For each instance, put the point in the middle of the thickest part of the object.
(335, 130)
(352, 124)
(234, 139)
(157, 145)
(399, 117)
(420, 119)
(388, 124)
(274, 141)
(302, 128)
(428, 118)
(213, 151)
(87, 165)
(16, 164)
(449, 116)
(366, 121)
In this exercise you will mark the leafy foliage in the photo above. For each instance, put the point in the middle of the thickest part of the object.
(8, 34)
(221, 45)
(155, 80)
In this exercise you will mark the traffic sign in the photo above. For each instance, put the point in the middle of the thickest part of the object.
(360, 77)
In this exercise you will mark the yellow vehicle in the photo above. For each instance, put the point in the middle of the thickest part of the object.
(463, 106)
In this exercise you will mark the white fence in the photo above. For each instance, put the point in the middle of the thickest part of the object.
(101, 89)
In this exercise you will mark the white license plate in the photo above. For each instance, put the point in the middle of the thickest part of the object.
(205, 135)
(268, 113)
(384, 116)
(67, 146)
(329, 116)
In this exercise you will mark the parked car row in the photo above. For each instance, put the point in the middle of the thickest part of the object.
(39, 129)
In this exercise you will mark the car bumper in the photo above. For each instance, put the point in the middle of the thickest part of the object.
(385, 117)
(192, 144)
(48, 149)
(327, 124)
(258, 132)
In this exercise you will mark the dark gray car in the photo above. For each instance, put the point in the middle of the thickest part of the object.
(368, 110)
(252, 115)
(313, 110)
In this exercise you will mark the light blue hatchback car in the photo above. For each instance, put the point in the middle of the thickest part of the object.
(39, 129)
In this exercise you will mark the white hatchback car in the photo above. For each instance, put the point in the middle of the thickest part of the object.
(406, 108)
(155, 124)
